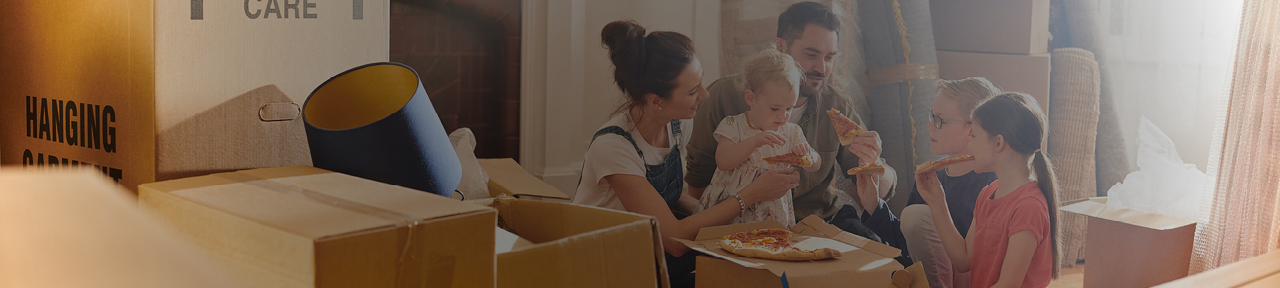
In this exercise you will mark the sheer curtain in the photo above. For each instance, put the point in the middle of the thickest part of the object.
(1244, 215)
(1168, 60)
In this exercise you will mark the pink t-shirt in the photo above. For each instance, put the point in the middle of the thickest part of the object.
(995, 220)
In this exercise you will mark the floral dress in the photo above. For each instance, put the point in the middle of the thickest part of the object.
(725, 184)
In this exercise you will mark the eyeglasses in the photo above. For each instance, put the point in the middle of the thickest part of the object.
(937, 121)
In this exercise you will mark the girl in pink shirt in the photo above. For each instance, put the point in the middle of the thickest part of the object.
(1013, 241)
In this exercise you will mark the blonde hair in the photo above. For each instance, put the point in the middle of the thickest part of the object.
(770, 66)
(968, 92)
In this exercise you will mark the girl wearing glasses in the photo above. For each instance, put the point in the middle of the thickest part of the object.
(948, 131)
(1013, 241)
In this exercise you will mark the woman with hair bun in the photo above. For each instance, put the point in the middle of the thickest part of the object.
(634, 162)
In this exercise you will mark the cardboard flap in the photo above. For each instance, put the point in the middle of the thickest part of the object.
(313, 202)
(814, 226)
(1097, 208)
(567, 241)
(918, 278)
(505, 175)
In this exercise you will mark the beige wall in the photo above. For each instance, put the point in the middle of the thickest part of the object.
(567, 87)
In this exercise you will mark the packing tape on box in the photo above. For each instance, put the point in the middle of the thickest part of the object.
(400, 219)
(901, 72)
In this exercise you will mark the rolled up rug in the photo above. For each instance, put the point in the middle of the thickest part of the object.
(902, 67)
(376, 122)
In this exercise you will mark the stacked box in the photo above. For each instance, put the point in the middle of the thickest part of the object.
(148, 90)
(1014, 73)
(991, 26)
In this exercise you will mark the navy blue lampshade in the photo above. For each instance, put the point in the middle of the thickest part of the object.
(376, 122)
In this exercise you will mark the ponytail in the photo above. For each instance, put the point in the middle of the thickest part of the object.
(1048, 183)
(1018, 117)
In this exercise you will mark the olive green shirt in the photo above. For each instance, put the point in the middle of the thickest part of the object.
(812, 195)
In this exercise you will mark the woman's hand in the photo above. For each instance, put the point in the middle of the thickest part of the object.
(773, 184)
(930, 189)
(867, 147)
(767, 138)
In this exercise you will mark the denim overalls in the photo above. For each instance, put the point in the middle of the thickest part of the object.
(668, 179)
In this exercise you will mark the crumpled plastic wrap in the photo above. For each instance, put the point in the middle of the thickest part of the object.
(475, 181)
(1163, 183)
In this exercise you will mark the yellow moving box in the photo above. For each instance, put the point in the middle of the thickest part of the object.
(570, 245)
(1130, 248)
(149, 90)
(76, 229)
(864, 263)
(302, 226)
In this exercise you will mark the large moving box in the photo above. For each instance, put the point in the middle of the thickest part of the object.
(864, 262)
(1130, 248)
(76, 229)
(996, 26)
(1015, 73)
(1257, 272)
(149, 90)
(302, 226)
(570, 245)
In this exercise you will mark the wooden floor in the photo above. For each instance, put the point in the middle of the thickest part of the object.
(1071, 278)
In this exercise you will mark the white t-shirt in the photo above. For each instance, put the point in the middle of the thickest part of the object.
(612, 154)
(797, 112)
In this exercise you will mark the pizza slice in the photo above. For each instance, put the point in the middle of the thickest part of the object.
(941, 163)
(790, 158)
(774, 244)
(873, 167)
(845, 128)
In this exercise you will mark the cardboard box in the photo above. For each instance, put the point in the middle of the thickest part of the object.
(1259, 272)
(995, 26)
(76, 229)
(866, 262)
(302, 226)
(149, 90)
(1014, 73)
(507, 177)
(1129, 248)
(570, 245)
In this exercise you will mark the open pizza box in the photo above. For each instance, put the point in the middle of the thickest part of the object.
(864, 262)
